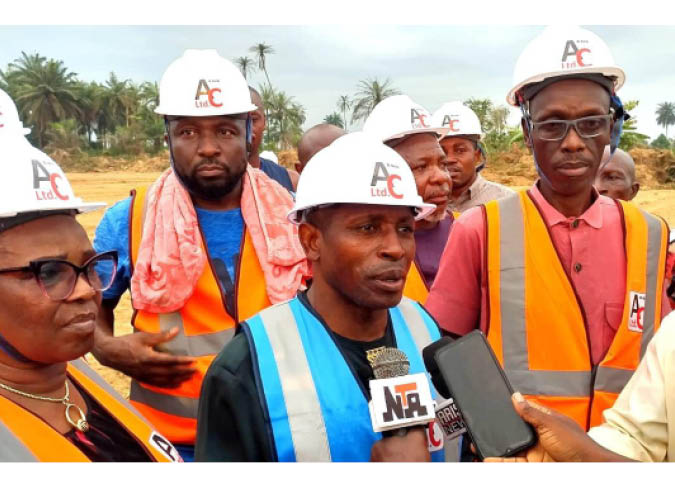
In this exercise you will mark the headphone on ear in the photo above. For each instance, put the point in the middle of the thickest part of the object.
(620, 116)
(249, 133)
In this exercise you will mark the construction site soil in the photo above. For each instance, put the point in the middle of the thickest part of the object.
(110, 180)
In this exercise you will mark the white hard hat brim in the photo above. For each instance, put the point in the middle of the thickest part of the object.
(168, 111)
(609, 71)
(79, 208)
(473, 137)
(439, 131)
(423, 210)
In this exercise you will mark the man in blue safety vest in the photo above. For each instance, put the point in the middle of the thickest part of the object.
(293, 385)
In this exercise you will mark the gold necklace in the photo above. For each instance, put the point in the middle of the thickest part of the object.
(82, 425)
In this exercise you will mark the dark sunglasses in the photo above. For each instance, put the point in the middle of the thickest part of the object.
(57, 277)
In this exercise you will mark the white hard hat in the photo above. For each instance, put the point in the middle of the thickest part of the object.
(10, 124)
(201, 83)
(672, 237)
(459, 119)
(561, 51)
(399, 116)
(32, 182)
(269, 155)
(357, 168)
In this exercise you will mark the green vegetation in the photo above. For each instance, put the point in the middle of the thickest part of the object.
(77, 118)
(334, 119)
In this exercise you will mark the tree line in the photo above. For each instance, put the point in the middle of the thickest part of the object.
(117, 116)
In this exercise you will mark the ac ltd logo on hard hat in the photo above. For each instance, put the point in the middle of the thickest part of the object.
(203, 90)
(42, 175)
(581, 55)
(382, 174)
(418, 118)
(451, 123)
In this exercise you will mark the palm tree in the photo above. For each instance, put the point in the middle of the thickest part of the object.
(482, 107)
(245, 65)
(498, 118)
(45, 91)
(91, 96)
(261, 51)
(286, 117)
(370, 93)
(344, 104)
(334, 119)
(665, 115)
(117, 100)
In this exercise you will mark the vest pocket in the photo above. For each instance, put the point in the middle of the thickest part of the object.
(613, 316)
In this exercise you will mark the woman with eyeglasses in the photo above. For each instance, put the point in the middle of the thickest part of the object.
(53, 407)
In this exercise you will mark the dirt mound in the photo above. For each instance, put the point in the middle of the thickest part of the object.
(655, 168)
(287, 159)
(511, 168)
(85, 163)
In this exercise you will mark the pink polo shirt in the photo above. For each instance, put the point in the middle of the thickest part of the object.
(592, 253)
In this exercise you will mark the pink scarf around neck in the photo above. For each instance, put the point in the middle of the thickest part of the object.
(171, 257)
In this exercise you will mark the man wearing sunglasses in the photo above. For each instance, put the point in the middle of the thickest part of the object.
(566, 284)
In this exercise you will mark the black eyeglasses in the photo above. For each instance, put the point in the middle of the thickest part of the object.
(587, 127)
(57, 277)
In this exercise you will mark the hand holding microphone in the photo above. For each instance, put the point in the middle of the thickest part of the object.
(401, 408)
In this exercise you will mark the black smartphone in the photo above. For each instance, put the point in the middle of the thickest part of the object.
(482, 393)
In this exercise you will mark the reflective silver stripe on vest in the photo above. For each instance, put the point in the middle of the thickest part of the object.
(612, 380)
(512, 285)
(512, 298)
(654, 241)
(305, 419)
(171, 404)
(551, 383)
(196, 345)
(415, 323)
(11, 448)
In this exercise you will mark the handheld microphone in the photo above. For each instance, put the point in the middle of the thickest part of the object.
(399, 400)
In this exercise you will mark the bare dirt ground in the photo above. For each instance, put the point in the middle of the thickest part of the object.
(113, 186)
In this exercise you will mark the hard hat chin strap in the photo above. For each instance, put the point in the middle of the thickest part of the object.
(524, 109)
(11, 351)
(249, 141)
(171, 158)
(620, 116)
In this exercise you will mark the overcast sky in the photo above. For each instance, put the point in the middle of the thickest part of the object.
(316, 64)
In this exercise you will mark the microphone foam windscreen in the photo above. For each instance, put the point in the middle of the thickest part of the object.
(390, 363)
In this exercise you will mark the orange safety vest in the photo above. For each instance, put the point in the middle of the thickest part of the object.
(416, 287)
(205, 328)
(26, 437)
(536, 323)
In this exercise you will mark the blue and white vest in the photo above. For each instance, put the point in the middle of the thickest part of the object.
(317, 410)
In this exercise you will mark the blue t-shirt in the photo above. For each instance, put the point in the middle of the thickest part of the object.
(222, 229)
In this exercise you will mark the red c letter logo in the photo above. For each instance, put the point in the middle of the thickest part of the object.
(640, 318)
(432, 437)
(211, 100)
(452, 125)
(52, 180)
(390, 186)
(580, 54)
